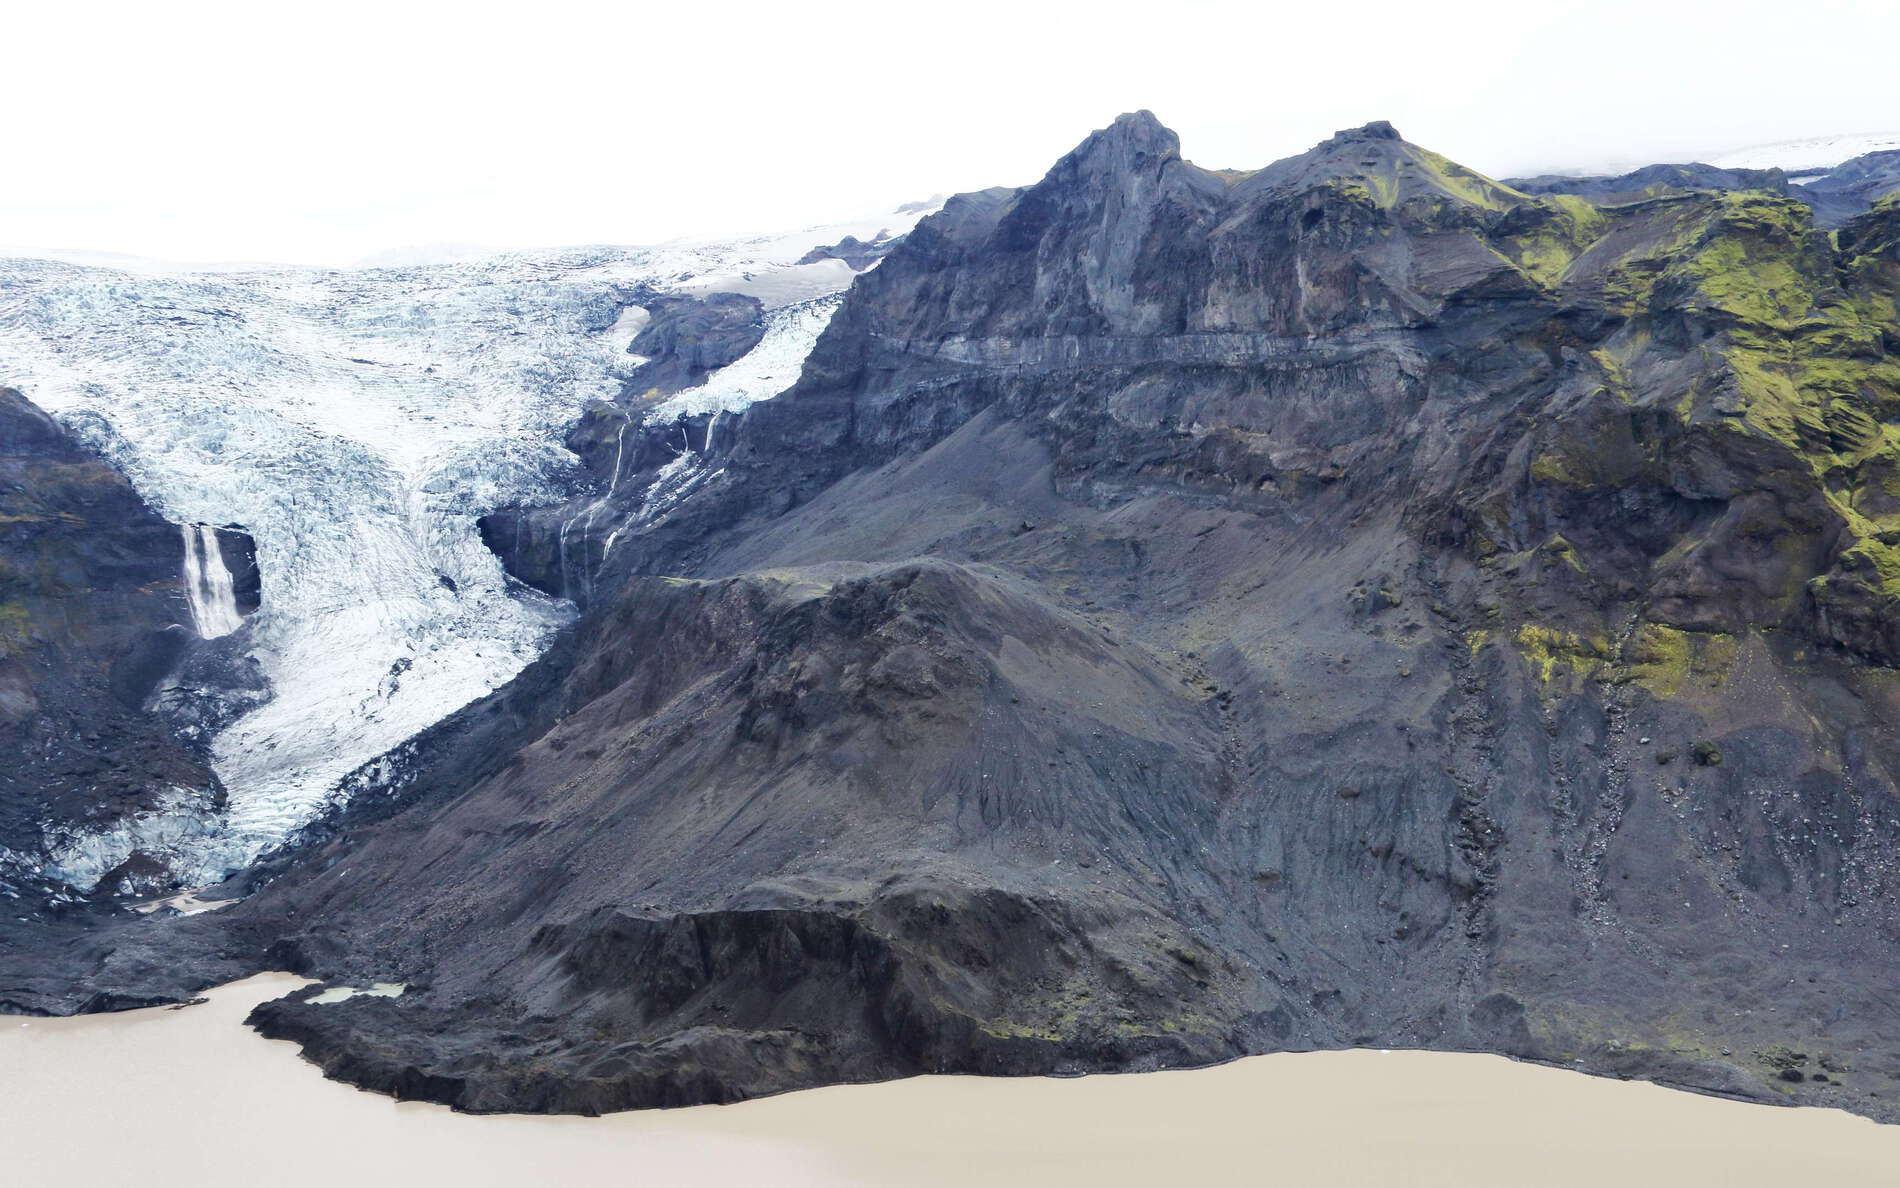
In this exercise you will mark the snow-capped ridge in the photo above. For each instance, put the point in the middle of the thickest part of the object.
(1812, 155)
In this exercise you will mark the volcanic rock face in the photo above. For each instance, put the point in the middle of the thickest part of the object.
(238, 551)
(1853, 186)
(93, 792)
(859, 254)
(689, 338)
(1178, 614)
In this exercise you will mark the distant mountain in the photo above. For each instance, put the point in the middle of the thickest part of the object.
(1836, 194)
(426, 255)
(140, 265)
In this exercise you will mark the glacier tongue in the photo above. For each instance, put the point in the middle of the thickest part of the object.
(357, 423)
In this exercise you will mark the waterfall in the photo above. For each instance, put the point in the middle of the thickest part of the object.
(565, 525)
(620, 450)
(208, 583)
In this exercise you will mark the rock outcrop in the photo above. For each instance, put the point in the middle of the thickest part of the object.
(688, 338)
(859, 254)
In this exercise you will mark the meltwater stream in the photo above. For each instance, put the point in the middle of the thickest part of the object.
(357, 423)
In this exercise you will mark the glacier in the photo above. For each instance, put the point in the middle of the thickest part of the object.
(357, 423)
(1803, 158)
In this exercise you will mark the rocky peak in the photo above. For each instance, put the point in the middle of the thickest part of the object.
(1376, 130)
(1376, 165)
(1133, 133)
(1125, 236)
(1134, 148)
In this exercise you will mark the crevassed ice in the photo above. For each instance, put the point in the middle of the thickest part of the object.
(178, 822)
(357, 423)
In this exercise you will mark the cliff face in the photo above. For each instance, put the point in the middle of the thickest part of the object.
(688, 338)
(92, 618)
(1178, 614)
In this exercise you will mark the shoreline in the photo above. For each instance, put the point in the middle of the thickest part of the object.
(193, 1097)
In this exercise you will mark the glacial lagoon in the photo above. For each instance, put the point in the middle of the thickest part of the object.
(191, 1098)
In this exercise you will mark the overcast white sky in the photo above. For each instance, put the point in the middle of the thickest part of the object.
(324, 132)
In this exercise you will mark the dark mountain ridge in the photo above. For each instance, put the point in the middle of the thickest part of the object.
(1835, 195)
(1178, 614)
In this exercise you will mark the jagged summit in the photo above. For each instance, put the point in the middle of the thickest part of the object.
(1373, 162)
(1131, 132)
(1142, 130)
(1142, 124)
(1376, 130)
(1134, 141)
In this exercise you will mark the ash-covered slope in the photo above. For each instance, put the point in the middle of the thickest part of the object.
(826, 823)
(1181, 613)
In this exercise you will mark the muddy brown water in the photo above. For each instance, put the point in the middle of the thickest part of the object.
(194, 1099)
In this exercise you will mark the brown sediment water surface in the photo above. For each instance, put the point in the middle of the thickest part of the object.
(191, 1097)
